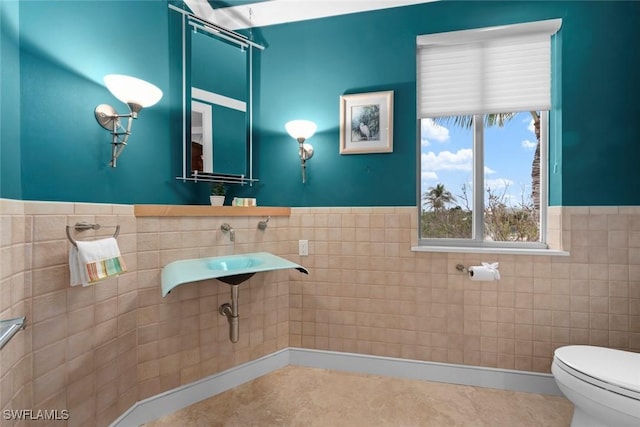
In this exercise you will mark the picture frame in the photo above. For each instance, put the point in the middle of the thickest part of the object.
(366, 123)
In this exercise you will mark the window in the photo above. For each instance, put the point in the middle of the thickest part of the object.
(483, 102)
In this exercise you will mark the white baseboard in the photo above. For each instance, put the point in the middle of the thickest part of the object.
(503, 379)
(173, 400)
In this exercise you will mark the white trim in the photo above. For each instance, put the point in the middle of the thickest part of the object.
(171, 401)
(206, 132)
(475, 35)
(489, 250)
(217, 99)
(502, 379)
(282, 11)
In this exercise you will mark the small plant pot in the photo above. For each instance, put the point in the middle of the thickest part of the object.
(216, 200)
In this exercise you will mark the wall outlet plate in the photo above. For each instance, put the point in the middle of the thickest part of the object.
(303, 247)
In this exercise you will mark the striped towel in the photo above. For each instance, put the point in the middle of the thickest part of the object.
(96, 260)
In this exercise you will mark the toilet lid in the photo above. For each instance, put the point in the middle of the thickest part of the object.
(616, 367)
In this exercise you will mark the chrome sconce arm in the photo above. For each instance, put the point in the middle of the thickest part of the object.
(136, 94)
(305, 151)
(109, 119)
(301, 130)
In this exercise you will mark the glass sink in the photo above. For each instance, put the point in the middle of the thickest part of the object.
(230, 269)
(233, 263)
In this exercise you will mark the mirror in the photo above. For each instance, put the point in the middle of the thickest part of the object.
(219, 80)
(217, 98)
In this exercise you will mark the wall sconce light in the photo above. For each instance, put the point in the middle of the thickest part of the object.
(134, 92)
(302, 130)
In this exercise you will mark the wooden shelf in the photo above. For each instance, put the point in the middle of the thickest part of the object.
(203, 210)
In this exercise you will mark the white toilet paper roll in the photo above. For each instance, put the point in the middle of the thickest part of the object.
(484, 273)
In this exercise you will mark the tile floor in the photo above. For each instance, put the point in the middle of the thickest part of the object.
(299, 396)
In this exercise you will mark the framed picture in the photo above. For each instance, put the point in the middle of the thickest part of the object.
(366, 123)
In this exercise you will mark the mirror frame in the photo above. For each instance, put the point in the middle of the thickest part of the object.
(189, 19)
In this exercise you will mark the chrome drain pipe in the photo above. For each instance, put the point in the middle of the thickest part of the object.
(231, 312)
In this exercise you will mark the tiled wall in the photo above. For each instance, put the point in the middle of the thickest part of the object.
(79, 350)
(370, 294)
(95, 351)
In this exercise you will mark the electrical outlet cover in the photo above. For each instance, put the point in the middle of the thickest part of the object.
(303, 247)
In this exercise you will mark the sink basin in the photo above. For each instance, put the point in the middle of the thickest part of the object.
(230, 269)
(233, 263)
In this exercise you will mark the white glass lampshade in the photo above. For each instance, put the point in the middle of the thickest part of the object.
(131, 90)
(301, 128)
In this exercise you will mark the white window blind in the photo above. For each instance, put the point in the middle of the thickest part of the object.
(489, 70)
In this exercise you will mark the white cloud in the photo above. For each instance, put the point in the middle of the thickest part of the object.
(531, 127)
(446, 160)
(529, 145)
(498, 183)
(429, 175)
(431, 131)
(488, 170)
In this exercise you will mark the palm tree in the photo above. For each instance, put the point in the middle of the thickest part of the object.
(535, 165)
(438, 197)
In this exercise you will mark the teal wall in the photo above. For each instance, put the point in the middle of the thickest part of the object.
(66, 48)
(10, 180)
(308, 65)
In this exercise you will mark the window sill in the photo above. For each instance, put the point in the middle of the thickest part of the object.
(487, 250)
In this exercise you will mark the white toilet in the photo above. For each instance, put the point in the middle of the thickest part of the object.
(602, 383)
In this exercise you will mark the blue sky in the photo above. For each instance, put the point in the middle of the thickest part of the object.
(446, 156)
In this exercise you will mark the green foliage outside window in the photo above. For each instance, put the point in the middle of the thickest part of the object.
(442, 218)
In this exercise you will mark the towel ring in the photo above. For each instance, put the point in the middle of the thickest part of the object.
(83, 226)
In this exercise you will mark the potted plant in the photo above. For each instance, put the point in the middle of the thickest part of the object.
(218, 191)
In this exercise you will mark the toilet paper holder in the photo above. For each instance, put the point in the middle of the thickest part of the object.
(462, 268)
(484, 272)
